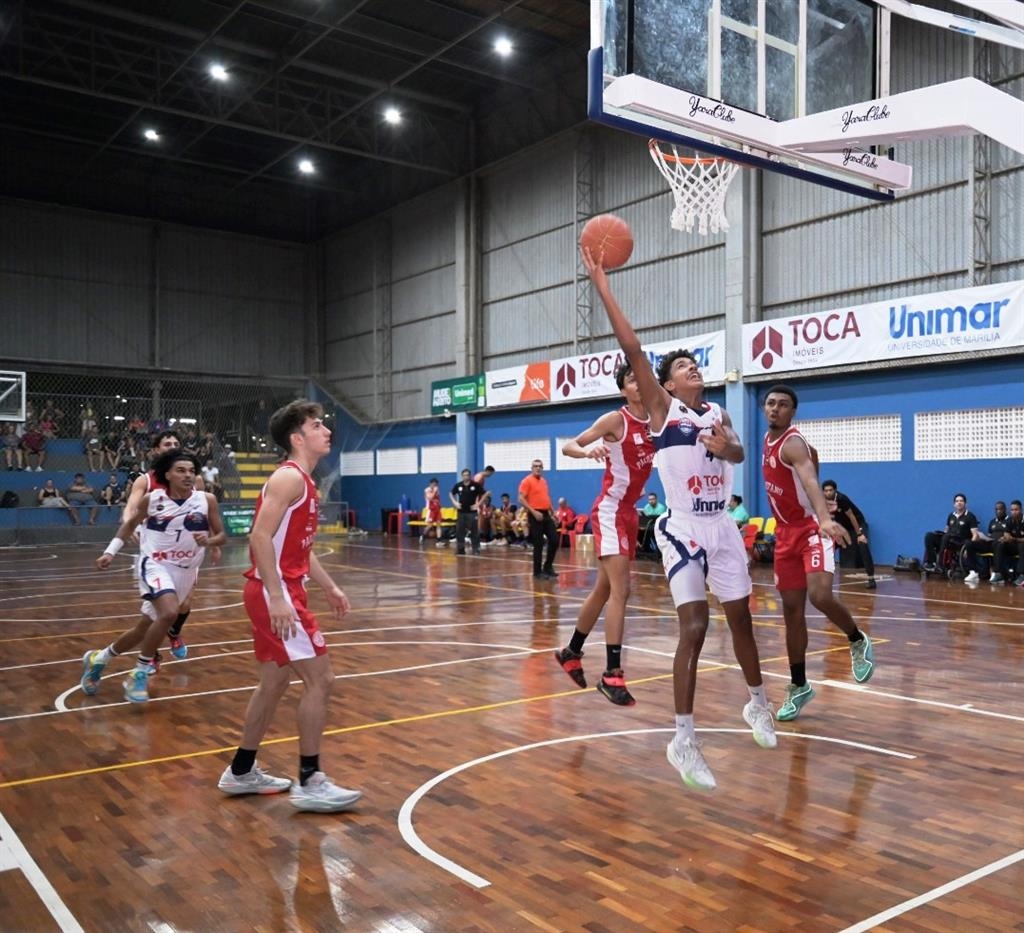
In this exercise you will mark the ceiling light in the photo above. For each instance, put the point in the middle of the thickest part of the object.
(503, 47)
(219, 72)
(152, 135)
(306, 167)
(393, 115)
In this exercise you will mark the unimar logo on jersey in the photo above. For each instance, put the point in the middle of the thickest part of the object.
(709, 485)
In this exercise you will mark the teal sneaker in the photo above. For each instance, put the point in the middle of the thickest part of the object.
(136, 686)
(862, 659)
(178, 648)
(796, 699)
(92, 667)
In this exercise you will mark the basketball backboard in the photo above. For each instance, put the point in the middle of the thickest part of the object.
(12, 396)
(721, 76)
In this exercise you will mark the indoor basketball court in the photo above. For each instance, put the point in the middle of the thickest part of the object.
(214, 208)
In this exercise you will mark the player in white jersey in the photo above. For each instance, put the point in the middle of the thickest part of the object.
(696, 449)
(625, 446)
(180, 523)
(145, 483)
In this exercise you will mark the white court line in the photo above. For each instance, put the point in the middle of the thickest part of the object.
(14, 855)
(934, 893)
(414, 842)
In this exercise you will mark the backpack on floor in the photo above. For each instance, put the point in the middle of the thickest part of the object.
(9, 500)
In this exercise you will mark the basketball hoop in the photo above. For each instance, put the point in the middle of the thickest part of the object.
(698, 186)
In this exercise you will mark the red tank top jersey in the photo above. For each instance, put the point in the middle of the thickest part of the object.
(152, 482)
(629, 462)
(294, 538)
(786, 495)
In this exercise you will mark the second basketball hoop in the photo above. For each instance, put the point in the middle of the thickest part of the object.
(699, 186)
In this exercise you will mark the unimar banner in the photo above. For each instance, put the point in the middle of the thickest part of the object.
(988, 317)
(450, 395)
(592, 375)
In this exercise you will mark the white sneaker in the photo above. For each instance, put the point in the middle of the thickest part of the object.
(687, 759)
(972, 577)
(255, 782)
(996, 578)
(761, 721)
(322, 795)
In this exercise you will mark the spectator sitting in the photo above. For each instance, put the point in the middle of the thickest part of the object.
(959, 525)
(49, 497)
(80, 494)
(982, 542)
(111, 449)
(92, 447)
(11, 444)
(737, 511)
(564, 518)
(502, 521)
(33, 444)
(1009, 548)
(211, 479)
(485, 516)
(520, 528)
(110, 495)
(87, 415)
(648, 516)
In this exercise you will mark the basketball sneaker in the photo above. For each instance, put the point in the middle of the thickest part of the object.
(862, 660)
(570, 662)
(685, 756)
(797, 697)
(996, 578)
(321, 795)
(92, 667)
(613, 685)
(178, 648)
(153, 668)
(136, 686)
(972, 577)
(761, 723)
(255, 782)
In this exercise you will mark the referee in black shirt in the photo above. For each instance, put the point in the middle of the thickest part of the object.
(851, 518)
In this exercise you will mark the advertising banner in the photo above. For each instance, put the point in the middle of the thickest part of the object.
(592, 375)
(237, 519)
(963, 321)
(451, 395)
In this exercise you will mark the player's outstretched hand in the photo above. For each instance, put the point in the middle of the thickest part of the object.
(338, 601)
(593, 266)
(717, 441)
(836, 532)
(282, 618)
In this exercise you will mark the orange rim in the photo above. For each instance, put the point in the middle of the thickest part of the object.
(654, 144)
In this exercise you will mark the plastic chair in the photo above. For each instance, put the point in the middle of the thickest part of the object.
(750, 532)
(758, 522)
(577, 529)
(769, 526)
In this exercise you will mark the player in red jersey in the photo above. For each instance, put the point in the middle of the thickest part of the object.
(286, 637)
(804, 554)
(626, 447)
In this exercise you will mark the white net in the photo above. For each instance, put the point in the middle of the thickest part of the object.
(699, 187)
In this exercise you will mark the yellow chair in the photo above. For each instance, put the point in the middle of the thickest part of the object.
(769, 526)
(759, 522)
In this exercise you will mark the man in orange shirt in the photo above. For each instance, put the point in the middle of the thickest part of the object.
(535, 498)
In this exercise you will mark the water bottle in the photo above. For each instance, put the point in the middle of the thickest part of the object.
(403, 503)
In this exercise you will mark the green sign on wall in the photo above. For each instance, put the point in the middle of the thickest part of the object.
(451, 395)
(237, 519)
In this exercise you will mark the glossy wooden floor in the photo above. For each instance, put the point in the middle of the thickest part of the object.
(497, 795)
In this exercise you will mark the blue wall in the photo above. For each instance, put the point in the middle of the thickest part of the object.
(902, 501)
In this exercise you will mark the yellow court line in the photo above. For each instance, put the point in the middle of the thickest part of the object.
(342, 730)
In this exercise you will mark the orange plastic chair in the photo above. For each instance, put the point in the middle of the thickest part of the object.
(577, 529)
(750, 533)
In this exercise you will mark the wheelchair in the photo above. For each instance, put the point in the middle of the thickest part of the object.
(949, 562)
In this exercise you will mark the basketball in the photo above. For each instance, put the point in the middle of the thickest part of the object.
(609, 240)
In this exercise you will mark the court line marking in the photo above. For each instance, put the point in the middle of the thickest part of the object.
(13, 854)
(413, 840)
(899, 909)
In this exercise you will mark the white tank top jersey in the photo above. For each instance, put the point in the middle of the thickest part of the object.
(166, 536)
(696, 483)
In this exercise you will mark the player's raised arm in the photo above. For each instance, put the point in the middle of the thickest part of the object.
(604, 428)
(656, 400)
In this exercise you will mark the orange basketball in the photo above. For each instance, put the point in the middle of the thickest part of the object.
(609, 240)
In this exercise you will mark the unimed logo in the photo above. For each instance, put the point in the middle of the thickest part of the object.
(565, 379)
(766, 347)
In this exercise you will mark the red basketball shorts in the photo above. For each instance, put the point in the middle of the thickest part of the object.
(800, 550)
(306, 643)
